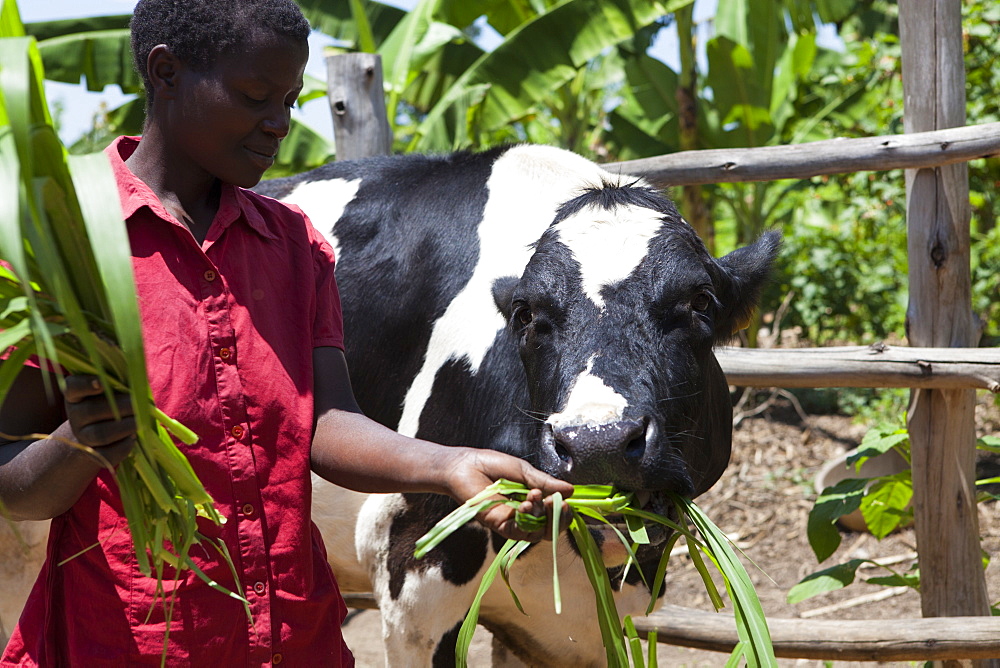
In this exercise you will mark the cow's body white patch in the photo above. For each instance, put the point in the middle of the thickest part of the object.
(591, 402)
(324, 202)
(609, 245)
(526, 186)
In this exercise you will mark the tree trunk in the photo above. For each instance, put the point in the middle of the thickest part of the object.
(693, 206)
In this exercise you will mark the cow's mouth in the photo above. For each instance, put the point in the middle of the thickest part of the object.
(653, 502)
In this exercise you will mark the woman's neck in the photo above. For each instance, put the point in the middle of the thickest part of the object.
(187, 191)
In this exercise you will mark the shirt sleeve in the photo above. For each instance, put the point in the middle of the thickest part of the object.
(328, 326)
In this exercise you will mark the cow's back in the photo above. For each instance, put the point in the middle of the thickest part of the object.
(420, 241)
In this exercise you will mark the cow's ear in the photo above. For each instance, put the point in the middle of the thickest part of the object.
(503, 293)
(745, 271)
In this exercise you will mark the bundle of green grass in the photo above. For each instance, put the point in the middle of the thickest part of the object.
(598, 502)
(67, 297)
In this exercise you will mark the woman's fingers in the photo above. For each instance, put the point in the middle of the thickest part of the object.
(97, 422)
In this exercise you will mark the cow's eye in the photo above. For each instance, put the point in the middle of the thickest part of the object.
(522, 313)
(701, 301)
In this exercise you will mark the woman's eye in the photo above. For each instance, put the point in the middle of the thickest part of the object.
(251, 98)
(701, 302)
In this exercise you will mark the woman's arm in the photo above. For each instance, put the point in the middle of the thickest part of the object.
(43, 477)
(353, 451)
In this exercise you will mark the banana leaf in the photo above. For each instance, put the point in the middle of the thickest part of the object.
(537, 58)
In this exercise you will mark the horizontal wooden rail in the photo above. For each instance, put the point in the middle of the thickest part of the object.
(863, 366)
(919, 639)
(829, 156)
(360, 600)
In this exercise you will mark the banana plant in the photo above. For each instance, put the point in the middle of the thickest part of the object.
(96, 50)
(544, 81)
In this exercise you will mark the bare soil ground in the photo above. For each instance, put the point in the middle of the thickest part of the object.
(764, 500)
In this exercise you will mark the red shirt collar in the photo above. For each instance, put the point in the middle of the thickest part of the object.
(234, 205)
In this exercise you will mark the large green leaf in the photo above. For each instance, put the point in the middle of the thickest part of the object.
(541, 56)
(438, 71)
(645, 123)
(506, 16)
(758, 25)
(741, 99)
(878, 441)
(413, 40)
(334, 18)
(833, 503)
(829, 579)
(886, 504)
(462, 13)
(43, 30)
(103, 57)
(795, 64)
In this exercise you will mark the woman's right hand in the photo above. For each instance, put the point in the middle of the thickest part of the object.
(92, 417)
(43, 468)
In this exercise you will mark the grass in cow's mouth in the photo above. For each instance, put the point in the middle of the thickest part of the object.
(591, 503)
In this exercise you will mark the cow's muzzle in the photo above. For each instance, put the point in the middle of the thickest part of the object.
(626, 453)
(605, 453)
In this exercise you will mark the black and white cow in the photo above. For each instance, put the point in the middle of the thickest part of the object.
(526, 300)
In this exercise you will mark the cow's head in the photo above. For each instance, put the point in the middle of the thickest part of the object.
(615, 316)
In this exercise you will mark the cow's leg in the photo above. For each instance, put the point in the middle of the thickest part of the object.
(421, 626)
(504, 658)
(22, 551)
(423, 602)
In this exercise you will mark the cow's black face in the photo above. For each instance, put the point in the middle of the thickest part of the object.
(615, 318)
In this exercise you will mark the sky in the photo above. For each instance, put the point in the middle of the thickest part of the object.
(79, 105)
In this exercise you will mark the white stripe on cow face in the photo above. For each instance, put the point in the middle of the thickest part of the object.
(608, 244)
(590, 402)
(324, 202)
(526, 186)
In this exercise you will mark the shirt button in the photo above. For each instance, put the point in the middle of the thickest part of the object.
(210, 275)
(225, 353)
(237, 432)
(276, 659)
(259, 588)
(247, 509)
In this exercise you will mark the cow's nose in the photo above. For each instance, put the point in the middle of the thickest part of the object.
(600, 453)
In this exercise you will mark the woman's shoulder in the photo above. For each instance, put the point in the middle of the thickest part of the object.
(280, 219)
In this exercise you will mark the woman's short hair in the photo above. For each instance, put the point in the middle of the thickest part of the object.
(198, 31)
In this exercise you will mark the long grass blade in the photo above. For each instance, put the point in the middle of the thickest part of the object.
(468, 628)
(557, 502)
(607, 612)
(634, 643)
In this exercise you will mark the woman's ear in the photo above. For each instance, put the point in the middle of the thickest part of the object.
(162, 67)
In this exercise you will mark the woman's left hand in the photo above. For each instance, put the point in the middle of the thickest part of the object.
(473, 470)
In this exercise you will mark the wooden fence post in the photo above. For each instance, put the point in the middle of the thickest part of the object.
(357, 100)
(941, 422)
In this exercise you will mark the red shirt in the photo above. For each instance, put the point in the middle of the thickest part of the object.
(229, 329)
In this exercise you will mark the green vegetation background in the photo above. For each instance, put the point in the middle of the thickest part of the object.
(576, 74)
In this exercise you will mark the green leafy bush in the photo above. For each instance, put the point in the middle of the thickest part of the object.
(884, 502)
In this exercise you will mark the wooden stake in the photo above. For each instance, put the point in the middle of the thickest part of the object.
(941, 422)
(357, 100)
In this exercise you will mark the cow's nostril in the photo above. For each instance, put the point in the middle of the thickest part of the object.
(635, 449)
(563, 453)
